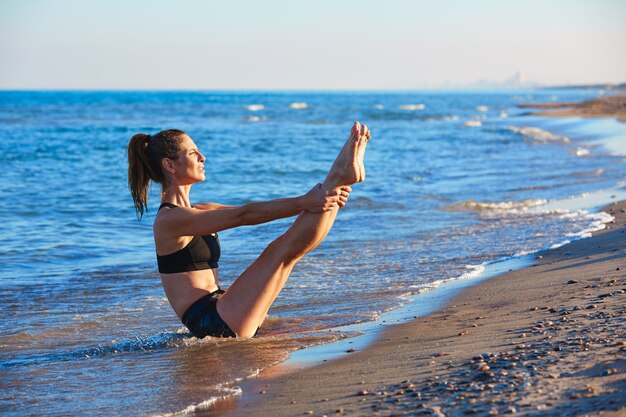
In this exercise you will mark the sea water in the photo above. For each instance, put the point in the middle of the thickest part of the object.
(454, 180)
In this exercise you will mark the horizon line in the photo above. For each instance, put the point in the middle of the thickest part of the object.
(332, 90)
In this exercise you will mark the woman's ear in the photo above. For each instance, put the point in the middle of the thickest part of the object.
(168, 165)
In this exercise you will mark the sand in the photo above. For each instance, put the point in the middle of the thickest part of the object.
(610, 106)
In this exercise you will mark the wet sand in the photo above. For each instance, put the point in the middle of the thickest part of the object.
(548, 340)
(610, 106)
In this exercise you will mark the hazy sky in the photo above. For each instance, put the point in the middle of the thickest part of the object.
(321, 44)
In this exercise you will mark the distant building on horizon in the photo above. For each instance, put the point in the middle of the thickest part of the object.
(517, 80)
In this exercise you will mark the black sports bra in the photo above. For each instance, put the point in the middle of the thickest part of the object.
(202, 252)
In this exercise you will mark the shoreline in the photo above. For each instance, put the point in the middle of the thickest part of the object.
(377, 379)
(544, 340)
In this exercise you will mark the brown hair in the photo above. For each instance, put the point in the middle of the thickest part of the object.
(145, 153)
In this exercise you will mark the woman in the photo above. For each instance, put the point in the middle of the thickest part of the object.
(186, 240)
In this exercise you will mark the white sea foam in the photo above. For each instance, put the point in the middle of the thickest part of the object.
(536, 135)
(558, 245)
(473, 271)
(580, 152)
(482, 108)
(203, 405)
(598, 222)
(595, 222)
(255, 107)
(379, 107)
(500, 207)
(298, 105)
(473, 123)
(413, 107)
(503, 115)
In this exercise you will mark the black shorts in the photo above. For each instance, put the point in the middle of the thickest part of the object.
(202, 318)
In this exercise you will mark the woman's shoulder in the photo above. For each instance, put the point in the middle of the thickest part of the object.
(167, 215)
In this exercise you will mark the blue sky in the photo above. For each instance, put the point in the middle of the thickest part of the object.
(237, 44)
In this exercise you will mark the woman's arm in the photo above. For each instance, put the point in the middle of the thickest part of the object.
(184, 221)
(211, 206)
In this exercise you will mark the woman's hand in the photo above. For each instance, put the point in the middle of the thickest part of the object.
(319, 201)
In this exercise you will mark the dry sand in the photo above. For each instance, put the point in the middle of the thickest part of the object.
(548, 340)
(610, 106)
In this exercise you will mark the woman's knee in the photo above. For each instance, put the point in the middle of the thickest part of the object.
(246, 331)
(285, 250)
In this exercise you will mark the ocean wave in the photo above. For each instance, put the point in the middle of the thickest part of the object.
(254, 119)
(473, 123)
(471, 272)
(598, 222)
(498, 207)
(594, 222)
(298, 105)
(225, 393)
(137, 344)
(413, 107)
(536, 135)
(255, 107)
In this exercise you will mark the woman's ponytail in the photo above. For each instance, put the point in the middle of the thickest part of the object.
(145, 154)
(139, 171)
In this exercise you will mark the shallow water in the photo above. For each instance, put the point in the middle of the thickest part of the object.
(86, 326)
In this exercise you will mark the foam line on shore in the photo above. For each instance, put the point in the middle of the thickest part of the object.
(431, 299)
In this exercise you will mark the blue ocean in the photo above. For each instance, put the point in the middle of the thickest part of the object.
(455, 180)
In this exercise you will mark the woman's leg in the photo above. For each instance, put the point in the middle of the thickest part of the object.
(246, 302)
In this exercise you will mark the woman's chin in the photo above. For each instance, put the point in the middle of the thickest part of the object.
(195, 180)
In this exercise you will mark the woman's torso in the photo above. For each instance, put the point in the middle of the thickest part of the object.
(184, 287)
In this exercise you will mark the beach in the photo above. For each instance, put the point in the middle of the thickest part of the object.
(476, 187)
(545, 340)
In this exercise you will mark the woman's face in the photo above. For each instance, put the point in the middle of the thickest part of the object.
(189, 167)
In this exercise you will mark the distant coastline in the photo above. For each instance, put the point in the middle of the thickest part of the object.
(599, 86)
(608, 106)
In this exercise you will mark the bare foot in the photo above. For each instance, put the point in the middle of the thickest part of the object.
(364, 138)
(348, 168)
